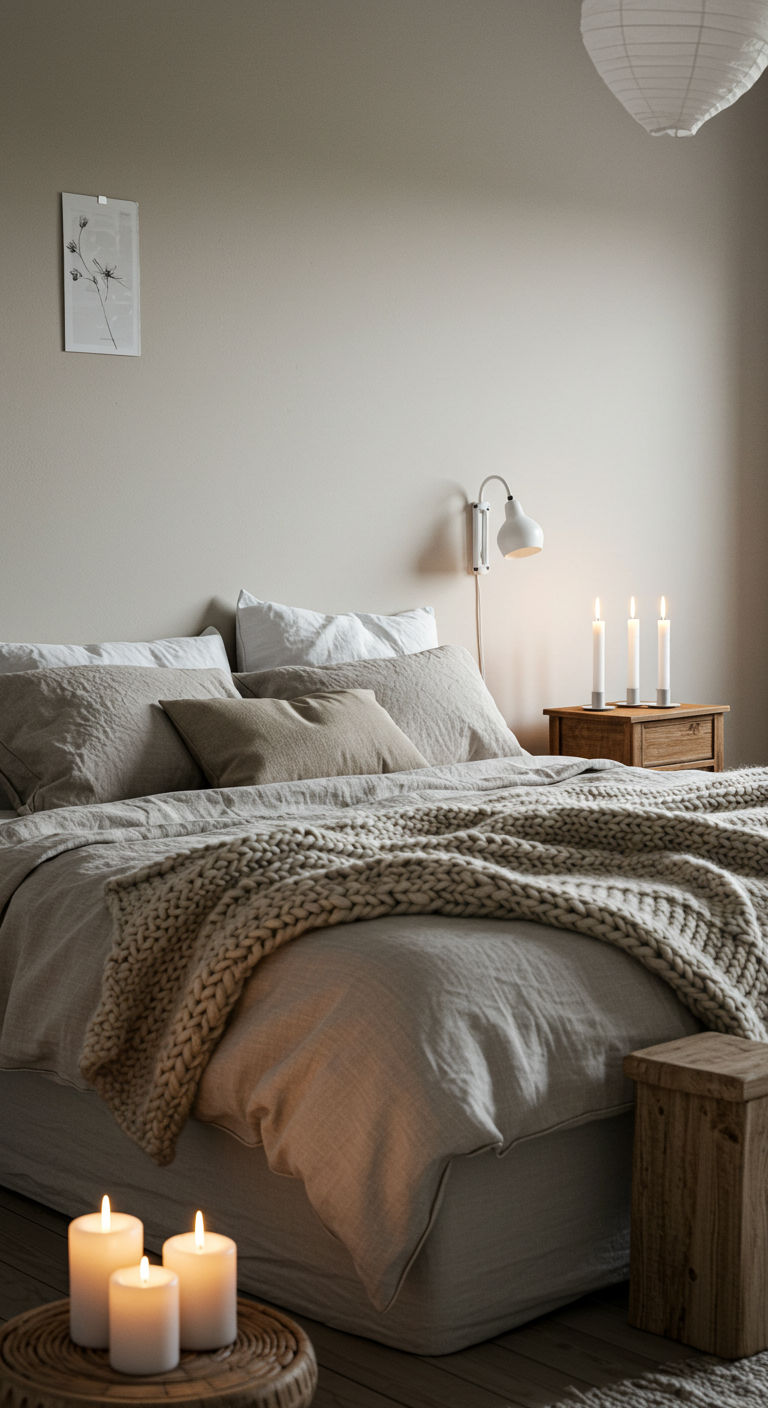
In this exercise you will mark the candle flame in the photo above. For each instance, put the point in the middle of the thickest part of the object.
(597, 608)
(199, 1231)
(632, 608)
(106, 1215)
(144, 1271)
(663, 609)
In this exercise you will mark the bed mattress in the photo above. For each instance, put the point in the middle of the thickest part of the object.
(511, 1238)
(416, 1125)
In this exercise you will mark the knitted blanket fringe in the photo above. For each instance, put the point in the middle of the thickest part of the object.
(678, 879)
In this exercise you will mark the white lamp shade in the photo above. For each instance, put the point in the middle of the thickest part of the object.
(519, 536)
(675, 63)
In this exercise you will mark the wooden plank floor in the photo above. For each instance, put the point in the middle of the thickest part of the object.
(582, 1345)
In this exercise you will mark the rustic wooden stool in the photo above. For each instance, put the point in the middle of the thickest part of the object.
(699, 1241)
(270, 1365)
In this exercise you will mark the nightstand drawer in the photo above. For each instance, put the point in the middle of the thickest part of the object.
(678, 741)
(585, 737)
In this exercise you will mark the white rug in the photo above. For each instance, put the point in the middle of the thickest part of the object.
(709, 1384)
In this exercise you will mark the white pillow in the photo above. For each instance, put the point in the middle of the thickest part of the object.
(269, 635)
(178, 653)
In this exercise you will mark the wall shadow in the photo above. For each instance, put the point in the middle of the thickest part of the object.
(220, 614)
(534, 738)
(747, 726)
(445, 551)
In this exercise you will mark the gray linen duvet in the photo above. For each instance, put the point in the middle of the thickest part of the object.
(363, 1057)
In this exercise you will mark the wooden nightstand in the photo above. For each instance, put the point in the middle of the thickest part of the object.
(699, 1242)
(690, 736)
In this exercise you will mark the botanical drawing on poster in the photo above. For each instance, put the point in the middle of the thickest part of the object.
(101, 275)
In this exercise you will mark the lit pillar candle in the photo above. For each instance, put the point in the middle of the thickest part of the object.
(98, 1244)
(598, 659)
(143, 1319)
(664, 688)
(633, 658)
(206, 1264)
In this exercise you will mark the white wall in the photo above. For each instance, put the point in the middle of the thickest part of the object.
(386, 249)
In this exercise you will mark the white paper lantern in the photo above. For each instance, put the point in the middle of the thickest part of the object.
(674, 65)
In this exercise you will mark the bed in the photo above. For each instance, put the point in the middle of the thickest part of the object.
(412, 1117)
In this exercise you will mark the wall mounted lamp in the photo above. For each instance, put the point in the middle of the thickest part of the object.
(518, 536)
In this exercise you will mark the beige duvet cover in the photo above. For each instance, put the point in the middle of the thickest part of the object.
(363, 1057)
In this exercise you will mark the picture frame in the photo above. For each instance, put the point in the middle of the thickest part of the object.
(101, 275)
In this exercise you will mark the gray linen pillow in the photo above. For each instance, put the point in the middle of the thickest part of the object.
(437, 697)
(239, 743)
(75, 734)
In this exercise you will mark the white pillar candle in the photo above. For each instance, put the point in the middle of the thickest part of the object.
(143, 1319)
(664, 687)
(633, 657)
(598, 659)
(206, 1264)
(98, 1244)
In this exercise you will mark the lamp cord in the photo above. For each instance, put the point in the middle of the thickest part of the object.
(479, 624)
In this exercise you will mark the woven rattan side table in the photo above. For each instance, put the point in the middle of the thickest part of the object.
(271, 1365)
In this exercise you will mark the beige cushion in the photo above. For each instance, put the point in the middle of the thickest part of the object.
(437, 697)
(78, 734)
(239, 743)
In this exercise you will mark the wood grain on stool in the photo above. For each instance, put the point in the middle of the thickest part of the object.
(699, 1239)
(270, 1365)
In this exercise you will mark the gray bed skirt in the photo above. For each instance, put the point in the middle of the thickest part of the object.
(513, 1237)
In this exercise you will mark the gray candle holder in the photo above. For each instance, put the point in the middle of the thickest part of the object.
(664, 700)
(598, 704)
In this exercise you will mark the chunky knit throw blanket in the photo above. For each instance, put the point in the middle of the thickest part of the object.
(678, 879)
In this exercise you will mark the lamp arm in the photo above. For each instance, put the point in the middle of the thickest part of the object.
(480, 512)
(501, 481)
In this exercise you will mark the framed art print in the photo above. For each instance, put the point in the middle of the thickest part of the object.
(101, 275)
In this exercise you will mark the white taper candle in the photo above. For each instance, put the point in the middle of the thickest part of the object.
(598, 659)
(633, 657)
(664, 687)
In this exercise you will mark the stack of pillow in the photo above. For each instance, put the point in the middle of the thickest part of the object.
(314, 696)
